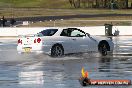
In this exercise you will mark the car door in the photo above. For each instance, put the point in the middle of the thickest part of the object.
(81, 40)
(69, 42)
(75, 40)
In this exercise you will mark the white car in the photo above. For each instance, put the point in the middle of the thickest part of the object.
(57, 42)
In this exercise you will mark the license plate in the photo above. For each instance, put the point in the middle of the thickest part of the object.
(27, 49)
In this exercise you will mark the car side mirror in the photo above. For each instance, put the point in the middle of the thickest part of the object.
(88, 34)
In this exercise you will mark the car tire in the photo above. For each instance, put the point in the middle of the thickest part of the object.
(103, 49)
(57, 51)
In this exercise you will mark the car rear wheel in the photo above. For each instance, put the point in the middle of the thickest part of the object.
(57, 51)
(103, 49)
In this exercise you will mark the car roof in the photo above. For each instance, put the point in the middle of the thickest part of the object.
(60, 30)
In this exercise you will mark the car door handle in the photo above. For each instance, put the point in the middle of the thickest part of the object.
(73, 39)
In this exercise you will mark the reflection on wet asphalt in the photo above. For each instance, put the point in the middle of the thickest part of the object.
(42, 71)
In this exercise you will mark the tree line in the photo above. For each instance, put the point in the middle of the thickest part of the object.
(115, 4)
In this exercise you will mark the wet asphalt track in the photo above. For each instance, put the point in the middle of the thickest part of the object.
(42, 71)
(65, 17)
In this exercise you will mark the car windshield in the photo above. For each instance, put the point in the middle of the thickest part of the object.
(47, 32)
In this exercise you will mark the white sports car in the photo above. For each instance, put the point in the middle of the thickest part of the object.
(57, 42)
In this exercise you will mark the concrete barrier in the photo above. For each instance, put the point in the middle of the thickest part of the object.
(95, 30)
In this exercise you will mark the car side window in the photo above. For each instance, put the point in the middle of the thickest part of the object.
(66, 32)
(47, 32)
(77, 33)
(72, 33)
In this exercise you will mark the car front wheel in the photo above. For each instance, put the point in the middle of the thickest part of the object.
(103, 49)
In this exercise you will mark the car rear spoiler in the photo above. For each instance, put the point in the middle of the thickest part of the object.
(29, 35)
